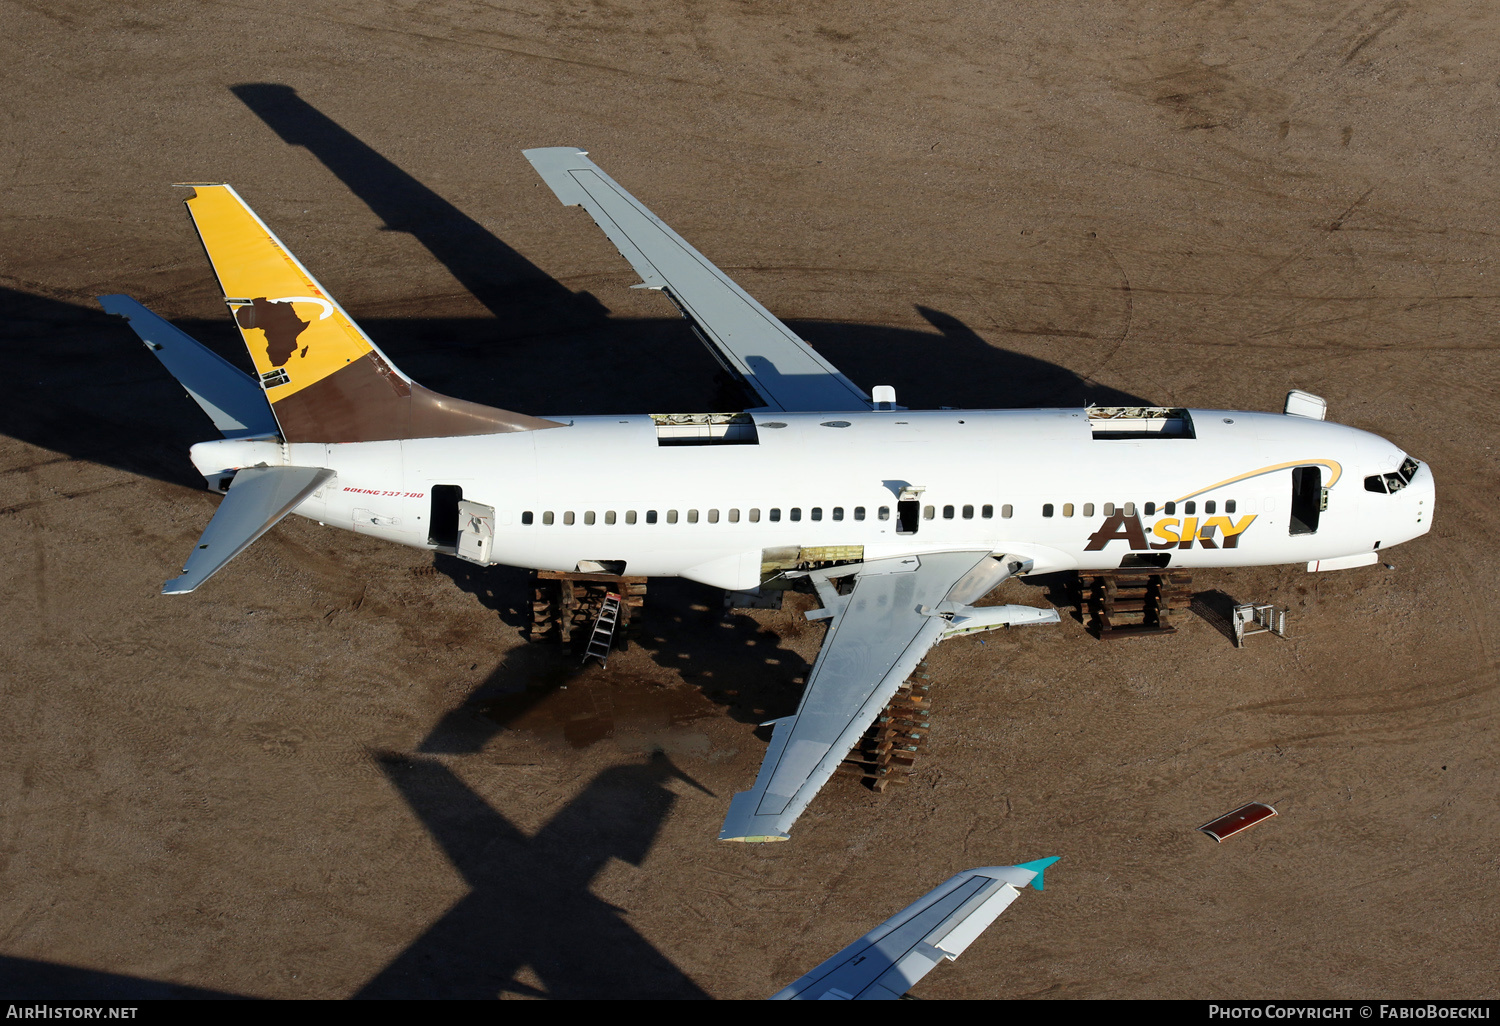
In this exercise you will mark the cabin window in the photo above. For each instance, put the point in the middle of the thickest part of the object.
(1046, 509)
(884, 513)
(987, 511)
(838, 513)
(609, 516)
(547, 518)
(1109, 509)
(713, 516)
(1006, 511)
(734, 516)
(1189, 508)
(1088, 509)
(526, 518)
(630, 516)
(928, 512)
(1130, 509)
(588, 517)
(650, 516)
(775, 514)
(1170, 508)
(1150, 509)
(1067, 509)
(754, 515)
(671, 516)
(859, 512)
(947, 512)
(1210, 506)
(692, 516)
(796, 513)
(817, 512)
(968, 512)
(568, 518)
(1229, 505)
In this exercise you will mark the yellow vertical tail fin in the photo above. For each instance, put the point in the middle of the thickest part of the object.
(326, 381)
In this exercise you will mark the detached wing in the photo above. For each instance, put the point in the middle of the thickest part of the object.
(880, 631)
(748, 341)
(888, 960)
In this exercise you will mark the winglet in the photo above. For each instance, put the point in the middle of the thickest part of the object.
(1038, 867)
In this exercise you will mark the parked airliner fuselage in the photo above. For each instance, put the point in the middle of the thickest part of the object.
(1055, 489)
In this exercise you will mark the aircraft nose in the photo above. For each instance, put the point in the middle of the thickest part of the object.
(1425, 489)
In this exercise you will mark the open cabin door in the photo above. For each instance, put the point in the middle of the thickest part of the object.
(476, 532)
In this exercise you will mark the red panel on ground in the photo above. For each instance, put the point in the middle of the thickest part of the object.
(1242, 818)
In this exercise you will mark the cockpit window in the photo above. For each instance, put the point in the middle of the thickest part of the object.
(1408, 469)
(1375, 483)
(1395, 482)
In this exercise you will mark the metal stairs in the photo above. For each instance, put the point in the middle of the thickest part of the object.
(603, 638)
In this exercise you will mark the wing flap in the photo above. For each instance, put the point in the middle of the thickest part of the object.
(783, 370)
(256, 501)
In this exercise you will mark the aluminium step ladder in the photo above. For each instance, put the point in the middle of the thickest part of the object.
(603, 638)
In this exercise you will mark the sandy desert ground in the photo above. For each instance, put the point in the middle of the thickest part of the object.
(338, 769)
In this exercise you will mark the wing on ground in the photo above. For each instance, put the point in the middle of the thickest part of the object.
(879, 632)
(744, 336)
(888, 960)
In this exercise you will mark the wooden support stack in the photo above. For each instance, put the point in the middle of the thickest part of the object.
(884, 755)
(1132, 603)
(565, 604)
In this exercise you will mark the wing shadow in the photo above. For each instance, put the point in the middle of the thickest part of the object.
(28, 979)
(513, 288)
(529, 903)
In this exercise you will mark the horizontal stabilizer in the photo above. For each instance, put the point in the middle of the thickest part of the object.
(230, 397)
(258, 498)
(890, 959)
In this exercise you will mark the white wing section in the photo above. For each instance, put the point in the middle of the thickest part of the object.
(880, 631)
(887, 961)
(783, 370)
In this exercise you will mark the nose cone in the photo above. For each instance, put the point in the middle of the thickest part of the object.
(1425, 495)
(1410, 514)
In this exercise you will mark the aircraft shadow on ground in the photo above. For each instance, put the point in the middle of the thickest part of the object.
(27, 979)
(529, 903)
(732, 659)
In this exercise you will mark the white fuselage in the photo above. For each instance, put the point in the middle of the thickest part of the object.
(1036, 485)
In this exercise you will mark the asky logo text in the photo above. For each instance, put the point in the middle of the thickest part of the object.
(1171, 532)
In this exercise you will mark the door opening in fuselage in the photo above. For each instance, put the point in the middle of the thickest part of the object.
(1307, 500)
(908, 516)
(442, 526)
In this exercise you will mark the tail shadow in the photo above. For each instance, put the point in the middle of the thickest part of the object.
(524, 297)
